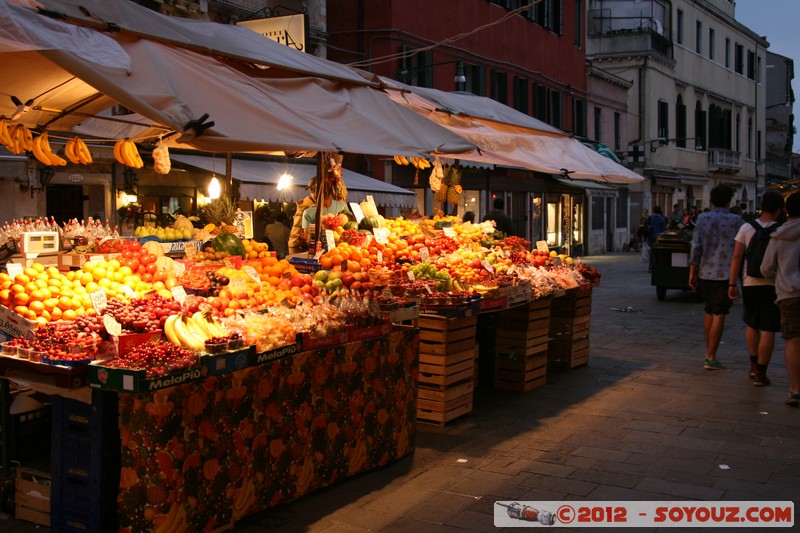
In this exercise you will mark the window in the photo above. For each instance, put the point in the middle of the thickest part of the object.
(758, 147)
(499, 86)
(548, 14)
(679, 29)
(711, 43)
(698, 37)
(555, 109)
(715, 126)
(738, 132)
(749, 138)
(751, 64)
(758, 69)
(579, 117)
(663, 120)
(617, 132)
(416, 69)
(699, 127)
(521, 94)
(578, 23)
(540, 102)
(727, 53)
(738, 59)
(622, 207)
(598, 124)
(598, 212)
(476, 79)
(680, 123)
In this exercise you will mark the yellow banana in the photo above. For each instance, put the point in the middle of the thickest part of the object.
(82, 151)
(118, 152)
(17, 140)
(169, 330)
(185, 335)
(5, 136)
(131, 154)
(55, 159)
(196, 329)
(398, 160)
(69, 151)
(404, 160)
(26, 137)
(38, 153)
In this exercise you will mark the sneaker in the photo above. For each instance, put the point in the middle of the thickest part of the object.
(713, 365)
(793, 400)
(753, 371)
(761, 379)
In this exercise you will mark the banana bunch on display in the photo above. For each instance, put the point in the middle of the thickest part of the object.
(44, 153)
(174, 520)
(401, 160)
(77, 152)
(18, 139)
(126, 153)
(420, 162)
(192, 331)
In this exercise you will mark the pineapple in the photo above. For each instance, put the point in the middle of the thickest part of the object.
(220, 213)
(451, 183)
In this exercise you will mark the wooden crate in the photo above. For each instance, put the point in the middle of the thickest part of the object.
(33, 496)
(570, 327)
(521, 374)
(439, 371)
(572, 304)
(568, 354)
(524, 330)
(439, 335)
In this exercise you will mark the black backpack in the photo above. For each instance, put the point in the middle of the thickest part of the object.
(754, 254)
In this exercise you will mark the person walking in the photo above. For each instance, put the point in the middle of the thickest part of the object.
(502, 222)
(656, 225)
(782, 263)
(761, 316)
(709, 267)
(278, 234)
(676, 217)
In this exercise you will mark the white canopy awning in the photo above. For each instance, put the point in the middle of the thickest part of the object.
(260, 179)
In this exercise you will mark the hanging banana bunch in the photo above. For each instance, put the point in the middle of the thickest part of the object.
(18, 139)
(126, 153)
(40, 146)
(77, 152)
(401, 160)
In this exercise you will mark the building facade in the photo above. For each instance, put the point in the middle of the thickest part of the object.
(698, 97)
(780, 118)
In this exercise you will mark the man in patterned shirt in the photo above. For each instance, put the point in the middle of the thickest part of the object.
(709, 266)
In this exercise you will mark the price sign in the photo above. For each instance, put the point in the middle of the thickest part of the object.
(192, 252)
(161, 263)
(178, 268)
(541, 246)
(356, 208)
(253, 274)
(424, 254)
(14, 269)
(449, 232)
(179, 293)
(330, 239)
(500, 252)
(511, 269)
(411, 276)
(99, 301)
(487, 266)
(112, 326)
(371, 202)
(96, 258)
(128, 291)
(428, 288)
(379, 256)
(488, 227)
(369, 239)
(381, 235)
(238, 284)
(556, 261)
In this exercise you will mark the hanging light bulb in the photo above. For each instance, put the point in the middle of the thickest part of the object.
(285, 181)
(214, 188)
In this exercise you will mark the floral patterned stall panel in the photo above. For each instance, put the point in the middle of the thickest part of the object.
(200, 456)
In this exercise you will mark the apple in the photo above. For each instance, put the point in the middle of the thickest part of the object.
(321, 275)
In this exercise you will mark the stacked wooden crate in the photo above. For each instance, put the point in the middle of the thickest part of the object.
(446, 368)
(521, 344)
(33, 496)
(570, 323)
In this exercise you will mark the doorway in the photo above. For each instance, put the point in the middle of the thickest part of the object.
(64, 202)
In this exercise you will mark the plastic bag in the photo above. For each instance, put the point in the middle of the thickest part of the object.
(644, 256)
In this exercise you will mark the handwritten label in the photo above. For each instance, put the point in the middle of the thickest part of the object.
(178, 268)
(14, 269)
(511, 269)
(411, 276)
(96, 258)
(112, 326)
(161, 263)
(128, 291)
(330, 239)
(371, 202)
(381, 235)
(179, 293)
(318, 254)
(424, 254)
(541, 246)
(250, 271)
(356, 208)
(379, 256)
(99, 300)
(428, 288)
(238, 284)
(449, 232)
(487, 266)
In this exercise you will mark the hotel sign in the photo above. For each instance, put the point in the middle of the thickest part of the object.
(288, 30)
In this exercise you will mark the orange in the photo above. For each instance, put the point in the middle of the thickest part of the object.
(65, 302)
(4, 276)
(5, 296)
(30, 287)
(53, 272)
(336, 259)
(30, 272)
(6, 284)
(22, 279)
(50, 303)
(38, 267)
(99, 273)
(69, 314)
(20, 298)
(16, 288)
(325, 262)
(55, 314)
(40, 283)
(37, 296)
(85, 278)
(46, 315)
(36, 306)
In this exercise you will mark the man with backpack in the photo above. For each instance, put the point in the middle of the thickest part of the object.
(761, 316)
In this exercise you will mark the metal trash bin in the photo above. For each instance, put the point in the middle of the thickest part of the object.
(671, 262)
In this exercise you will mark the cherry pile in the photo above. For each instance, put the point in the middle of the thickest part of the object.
(54, 344)
(157, 358)
(142, 314)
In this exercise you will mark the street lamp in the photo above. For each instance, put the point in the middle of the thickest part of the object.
(406, 74)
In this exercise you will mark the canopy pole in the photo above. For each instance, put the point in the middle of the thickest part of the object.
(319, 199)
(229, 172)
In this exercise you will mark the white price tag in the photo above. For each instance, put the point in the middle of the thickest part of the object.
(14, 269)
(253, 274)
(541, 246)
(488, 227)
(381, 235)
(178, 268)
(96, 258)
(511, 269)
(379, 256)
(368, 239)
(112, 326)
(330, 239)
(428, 288)
(238, 284)
(318, 254)
(411, 276)
(449, 232)
(371, 202)
(499, 252)
(128, 291)
(424, 254)
(179, 293)
(161, 263)
(99, 301)
(356, 208)
(487, 266)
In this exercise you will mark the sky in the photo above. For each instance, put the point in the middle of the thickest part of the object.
(779, 21)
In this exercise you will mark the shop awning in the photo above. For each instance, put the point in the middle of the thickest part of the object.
(259, 179)
(72, 73)
(507, 137)
(597, 189)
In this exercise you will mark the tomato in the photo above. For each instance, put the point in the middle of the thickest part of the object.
(148, 258)
(151, 268)
(133, 263)
(127, 254)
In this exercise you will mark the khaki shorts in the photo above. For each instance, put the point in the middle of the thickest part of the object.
(790, 317)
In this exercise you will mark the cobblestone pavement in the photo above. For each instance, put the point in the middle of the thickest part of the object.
(642, 421)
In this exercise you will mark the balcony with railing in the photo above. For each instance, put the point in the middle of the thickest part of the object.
(623, 30)
(721, 159)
